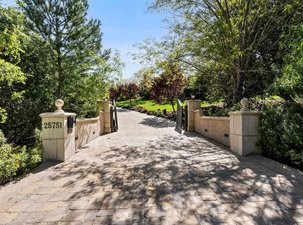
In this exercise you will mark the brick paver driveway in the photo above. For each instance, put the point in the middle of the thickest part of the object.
(148, 174)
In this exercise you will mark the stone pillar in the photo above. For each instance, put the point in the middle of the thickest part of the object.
(58, 133)
(192, 105)
(106, 110)
(101, 116)
(244, 131)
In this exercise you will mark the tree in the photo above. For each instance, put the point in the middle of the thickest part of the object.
(12, 38)
(113, 93)
(129, 91)
(168, 85)
(290, 84)
(233, 43)
(144, 78)
(74, 47)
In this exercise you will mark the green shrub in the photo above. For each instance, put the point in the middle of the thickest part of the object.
(282, 133)
(16, 160)
(11, 159)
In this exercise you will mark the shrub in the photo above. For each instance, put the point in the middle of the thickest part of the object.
(150, 112)
(158, 113)
(17, 160)
(282, 133)
(10, 160)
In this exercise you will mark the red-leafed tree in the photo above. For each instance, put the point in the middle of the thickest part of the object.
(129, 91)
(168, 85)
(113, 93)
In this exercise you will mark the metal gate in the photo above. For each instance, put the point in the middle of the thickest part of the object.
(181, 117)
(113, 117)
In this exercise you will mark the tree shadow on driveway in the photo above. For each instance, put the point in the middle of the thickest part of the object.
(178, 180)
(158, 122)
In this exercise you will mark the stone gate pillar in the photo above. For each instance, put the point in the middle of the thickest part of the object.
(244, 131)
(192, 105)
(106, 111)
(58, 133)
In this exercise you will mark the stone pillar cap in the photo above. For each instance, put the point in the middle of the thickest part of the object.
(59, 103)
(244, 103)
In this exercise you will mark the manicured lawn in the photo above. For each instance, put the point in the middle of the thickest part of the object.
(149, 105)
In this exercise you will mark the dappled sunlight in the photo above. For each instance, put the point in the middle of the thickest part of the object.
(180, 179)
(146, 175)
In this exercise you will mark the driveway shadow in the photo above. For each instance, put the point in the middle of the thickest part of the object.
(181, 179)
(158, 122)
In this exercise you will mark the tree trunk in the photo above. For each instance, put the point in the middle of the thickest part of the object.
(59, 59)
(239, 89)
(172, 104)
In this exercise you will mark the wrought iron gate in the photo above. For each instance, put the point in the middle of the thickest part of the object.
(181, 116)
(113, 117)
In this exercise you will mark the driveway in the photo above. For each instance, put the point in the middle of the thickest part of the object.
(146, 173)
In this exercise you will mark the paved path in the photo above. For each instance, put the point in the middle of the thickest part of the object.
(148, 174)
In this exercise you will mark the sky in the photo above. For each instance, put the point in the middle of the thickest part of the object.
(124, 23)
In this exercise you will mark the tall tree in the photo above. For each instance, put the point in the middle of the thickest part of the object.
(12, 37)
(74, 44)
(290, 84)
(233, 43)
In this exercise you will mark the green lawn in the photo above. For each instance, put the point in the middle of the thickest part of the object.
(149, 105)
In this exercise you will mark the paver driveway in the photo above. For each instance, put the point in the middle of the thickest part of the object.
(148, 174)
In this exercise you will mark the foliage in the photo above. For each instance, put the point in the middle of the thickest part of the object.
(233, 45)
(12, 37)
(144, 78)
(73, 49)
(113, 92)
(130, 91)
(282, 133)
(14, 160)
(31, 54)
(168, 85)
(290, 84)
(195, 87)
(124, 91)
(149, 105)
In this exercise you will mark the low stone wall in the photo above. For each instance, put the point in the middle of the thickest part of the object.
(217, 128)
(89, 129)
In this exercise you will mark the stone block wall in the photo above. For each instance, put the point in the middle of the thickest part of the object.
(240, 130)
(216, 128)
(89, 129)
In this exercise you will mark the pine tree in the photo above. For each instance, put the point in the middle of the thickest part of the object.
(74, 41)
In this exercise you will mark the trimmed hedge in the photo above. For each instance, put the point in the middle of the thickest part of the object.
(282, 133)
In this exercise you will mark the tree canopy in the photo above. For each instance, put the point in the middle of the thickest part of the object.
(234, 45)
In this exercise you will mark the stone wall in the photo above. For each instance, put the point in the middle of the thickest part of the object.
(216, 128)
(239, 131)
(89, 129)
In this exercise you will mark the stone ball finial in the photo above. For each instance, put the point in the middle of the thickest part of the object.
(244, 103)
(59, 103)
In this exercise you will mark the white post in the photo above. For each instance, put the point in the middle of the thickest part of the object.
(58, 133)
(244, 131)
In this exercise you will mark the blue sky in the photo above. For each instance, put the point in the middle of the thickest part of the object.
(124, 23)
